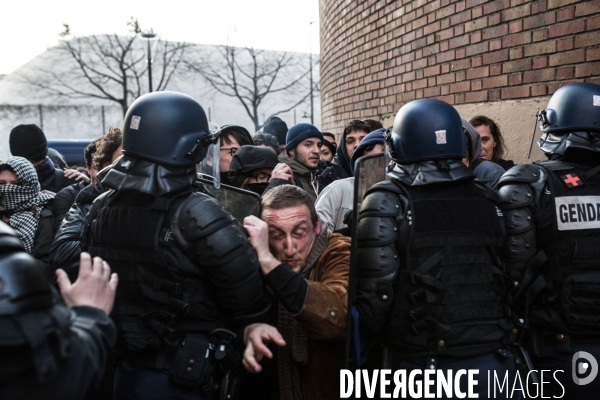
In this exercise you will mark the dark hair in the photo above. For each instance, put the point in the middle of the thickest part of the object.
(373, 125)
(240, 136)
(88, 153)
(500, 150)
(6, 167)
(106, 146)
(266, 139)
(356, 125)
(288, 196)
(331, 135)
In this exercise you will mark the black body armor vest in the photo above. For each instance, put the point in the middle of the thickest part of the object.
(162, 294)
(451, 288)
(565, 295)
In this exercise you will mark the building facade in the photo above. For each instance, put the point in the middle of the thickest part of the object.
(501, 58)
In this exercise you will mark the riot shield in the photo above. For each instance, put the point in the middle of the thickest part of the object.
(368, 170)
(239, 202)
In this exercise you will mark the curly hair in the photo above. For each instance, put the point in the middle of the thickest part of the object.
(266, 139)
(88, 153)
(106, 147)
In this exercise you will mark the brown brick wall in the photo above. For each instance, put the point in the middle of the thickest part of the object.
(376, 55)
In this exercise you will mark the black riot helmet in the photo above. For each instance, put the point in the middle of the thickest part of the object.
(168, 128)
(23, 285)
(572, 119)
(426, 129)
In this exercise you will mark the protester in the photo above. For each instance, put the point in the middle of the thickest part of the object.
(485, 170)
(66, 196)
(252, 168)
(337, 199)
(492, 142)
(340, 167)
(552, 208)
(29, 141)
(25, 208)
(432, 292)
(278, 128)
(46, 349)
(232, 138)
(307, 270)
(65, 246)
(303, 147)
(327, 151)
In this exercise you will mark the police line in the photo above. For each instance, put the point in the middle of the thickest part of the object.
(394, 384)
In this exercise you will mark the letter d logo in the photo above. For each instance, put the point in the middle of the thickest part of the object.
(582, 368)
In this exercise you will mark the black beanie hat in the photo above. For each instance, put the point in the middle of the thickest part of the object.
(249, 158)
(276, 127)
(299, 133)
(28, 141)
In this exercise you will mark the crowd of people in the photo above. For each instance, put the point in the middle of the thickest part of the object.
(456, 259)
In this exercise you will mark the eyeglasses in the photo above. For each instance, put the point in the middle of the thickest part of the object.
(231, 150)
(261, 177)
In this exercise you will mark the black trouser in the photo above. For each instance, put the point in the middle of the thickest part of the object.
(133, 383)
(493, 367)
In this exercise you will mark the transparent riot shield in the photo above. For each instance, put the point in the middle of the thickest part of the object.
(209, 166)
(239, 202)
(368, 170)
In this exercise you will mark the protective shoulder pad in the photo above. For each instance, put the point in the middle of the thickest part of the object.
(515, 195)
(380, 203)
(199, 216)
(386, 185)
(525, 173)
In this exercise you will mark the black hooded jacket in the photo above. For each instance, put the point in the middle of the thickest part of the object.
(339, 168)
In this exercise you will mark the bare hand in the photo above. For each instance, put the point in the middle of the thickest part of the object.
(283, 171)
(95, 285)
(49, 192)
(256, 336)
(74, 174)
(258, 235)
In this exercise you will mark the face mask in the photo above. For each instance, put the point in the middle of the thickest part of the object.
(225, 178)
(258, 188)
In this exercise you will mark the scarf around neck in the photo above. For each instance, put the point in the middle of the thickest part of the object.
(45, 170)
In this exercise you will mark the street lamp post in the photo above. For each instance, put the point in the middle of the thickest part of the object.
(148, 36)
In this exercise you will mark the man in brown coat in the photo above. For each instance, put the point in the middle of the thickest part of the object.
(307, 270)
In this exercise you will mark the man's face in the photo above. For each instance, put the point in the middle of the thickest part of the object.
(307, 152)
(291, 234)
(352, 140)
(227, 153)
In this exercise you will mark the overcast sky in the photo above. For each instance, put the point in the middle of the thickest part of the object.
(28, 28)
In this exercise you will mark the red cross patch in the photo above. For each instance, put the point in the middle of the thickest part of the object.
(572, 180)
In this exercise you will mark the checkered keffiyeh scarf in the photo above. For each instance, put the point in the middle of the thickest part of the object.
(23, 202)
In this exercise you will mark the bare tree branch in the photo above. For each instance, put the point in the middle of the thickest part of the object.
(251, 76)
(106, 67)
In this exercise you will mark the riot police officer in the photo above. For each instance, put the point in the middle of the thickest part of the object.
(552, 212)
(188, 272)
(431, 289)
(46, 349)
